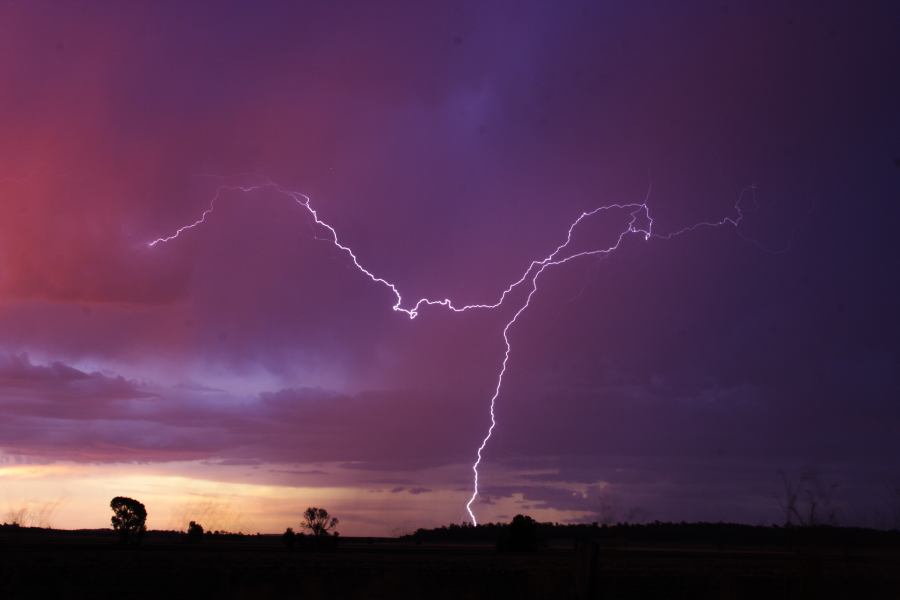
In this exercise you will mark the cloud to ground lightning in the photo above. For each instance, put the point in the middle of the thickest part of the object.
(640, 223)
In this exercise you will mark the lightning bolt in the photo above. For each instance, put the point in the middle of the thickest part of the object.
(638, 212)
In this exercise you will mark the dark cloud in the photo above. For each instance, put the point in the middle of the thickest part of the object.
(51, 410)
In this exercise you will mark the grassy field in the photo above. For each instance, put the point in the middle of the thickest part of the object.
(38, 563)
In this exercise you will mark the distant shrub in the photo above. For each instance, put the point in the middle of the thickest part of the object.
(289, 538)
(194, 532)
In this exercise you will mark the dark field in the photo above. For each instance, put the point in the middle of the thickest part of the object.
(61, 564)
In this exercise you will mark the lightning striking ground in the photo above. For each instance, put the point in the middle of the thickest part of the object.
(639, 211)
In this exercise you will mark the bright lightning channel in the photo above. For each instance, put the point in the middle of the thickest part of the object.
(639, 211)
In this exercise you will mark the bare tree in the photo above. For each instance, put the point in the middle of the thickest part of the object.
(18, 516)
(32, 514)
(788, 498)
(807, 500)
(319, 522)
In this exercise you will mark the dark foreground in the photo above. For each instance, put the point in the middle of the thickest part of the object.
(60, 564)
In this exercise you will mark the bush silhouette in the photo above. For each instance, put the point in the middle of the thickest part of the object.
(129, 518)
(194, 532)
(520, 536)
(289, 538)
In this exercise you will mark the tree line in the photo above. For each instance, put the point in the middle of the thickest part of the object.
(129, 521)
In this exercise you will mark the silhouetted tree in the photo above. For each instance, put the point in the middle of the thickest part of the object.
(194, 532)
(289, 538)
(319, 522)
(129, 518)
(520, 536)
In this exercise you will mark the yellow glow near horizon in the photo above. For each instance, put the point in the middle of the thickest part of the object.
(76, 496)
(247, 498)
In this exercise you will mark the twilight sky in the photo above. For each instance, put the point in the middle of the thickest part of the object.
(247, 370)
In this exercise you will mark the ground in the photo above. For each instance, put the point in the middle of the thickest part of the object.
(38, 563)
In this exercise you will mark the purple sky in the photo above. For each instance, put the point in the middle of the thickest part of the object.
(247, 370)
